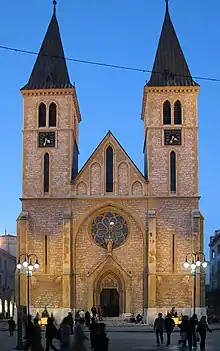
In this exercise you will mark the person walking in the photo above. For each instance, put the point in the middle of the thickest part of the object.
(194, 324)
(11, 326)
(93, 328)
(102, 341)
(159, 328)
(186, 332)
(202, 329)
(51, 333)
(64, 334)
(169, 326)
(29, 333)
(100, 312)
(79, 337)
(87, 318)
(36, 338)
(70, 321)
(94, 311)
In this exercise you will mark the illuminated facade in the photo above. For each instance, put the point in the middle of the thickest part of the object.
(108, 234)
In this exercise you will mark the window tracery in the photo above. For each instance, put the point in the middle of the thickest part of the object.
(109, 225)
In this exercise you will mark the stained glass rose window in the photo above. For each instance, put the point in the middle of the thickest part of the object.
(109, 225)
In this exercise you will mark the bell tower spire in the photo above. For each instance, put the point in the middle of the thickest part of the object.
(54, 7)
(167, 5)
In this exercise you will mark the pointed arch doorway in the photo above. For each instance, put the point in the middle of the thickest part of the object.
(109, 293)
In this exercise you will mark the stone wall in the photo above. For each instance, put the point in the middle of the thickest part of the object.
(129, 256)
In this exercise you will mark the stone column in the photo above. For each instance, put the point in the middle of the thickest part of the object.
(22, 248)
(67, 263)
(198, 246)
(151, 266)
(128, 300)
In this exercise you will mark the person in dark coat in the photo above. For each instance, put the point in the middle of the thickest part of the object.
(159, 328)
(94, 311)
(71, 321)
(11, 326)
(102, 340)
(29, 333)
(202, 329)
(93, 332)
(87, 318)
(186, 332)
(51, 333)
(194, 323)
(36, 339)
(169, 326)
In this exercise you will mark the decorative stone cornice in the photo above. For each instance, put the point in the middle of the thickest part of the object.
(48, 92)
(23, 216)
(196, 213)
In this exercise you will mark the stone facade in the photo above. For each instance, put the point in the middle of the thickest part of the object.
(147, 270)
(75, 268)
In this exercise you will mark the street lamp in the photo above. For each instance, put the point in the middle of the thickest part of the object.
(25, 262)
(196, 261)
(28, 266)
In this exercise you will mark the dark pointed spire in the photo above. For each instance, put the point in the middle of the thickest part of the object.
(167, 5)
(54, 7)
(170, 66)
(50, 69)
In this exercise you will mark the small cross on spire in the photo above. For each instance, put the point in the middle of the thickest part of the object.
(54, 6)
(167, 5)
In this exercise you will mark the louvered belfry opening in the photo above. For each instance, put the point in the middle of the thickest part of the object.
(177, 112)
(42, 113)
(52, 115)
(167, 113)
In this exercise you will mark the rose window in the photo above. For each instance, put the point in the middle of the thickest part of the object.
(109, 225)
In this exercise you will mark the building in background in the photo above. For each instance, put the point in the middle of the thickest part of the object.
(214, 272)
(213, 292)
(7, 283)
(8, 242)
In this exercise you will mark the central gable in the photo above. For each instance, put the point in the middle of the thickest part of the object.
(109, 171)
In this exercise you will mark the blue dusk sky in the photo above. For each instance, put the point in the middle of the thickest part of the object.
(126, 33)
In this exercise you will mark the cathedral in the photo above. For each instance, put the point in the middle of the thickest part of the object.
(108, 234)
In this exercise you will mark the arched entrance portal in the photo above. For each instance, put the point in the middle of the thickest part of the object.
(110, 294)
(109, 300)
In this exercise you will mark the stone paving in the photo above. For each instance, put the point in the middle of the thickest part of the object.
(127, 341)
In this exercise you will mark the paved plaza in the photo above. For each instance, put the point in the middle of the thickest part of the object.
(132, 341)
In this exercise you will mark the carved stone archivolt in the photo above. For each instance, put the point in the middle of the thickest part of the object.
(109, 282)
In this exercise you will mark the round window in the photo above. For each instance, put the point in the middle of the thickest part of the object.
(109, 225)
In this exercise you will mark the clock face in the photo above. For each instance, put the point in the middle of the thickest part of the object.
(172, 136)
(46, 139)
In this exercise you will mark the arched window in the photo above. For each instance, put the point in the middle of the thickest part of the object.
(166, 112)
(173, 172)
(52, 115)
(42, 115)
(109, 170)
(46, 173)
(177, 112)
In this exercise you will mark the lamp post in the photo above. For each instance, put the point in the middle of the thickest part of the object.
(28, 265)
(24, 261)
(196, 261)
